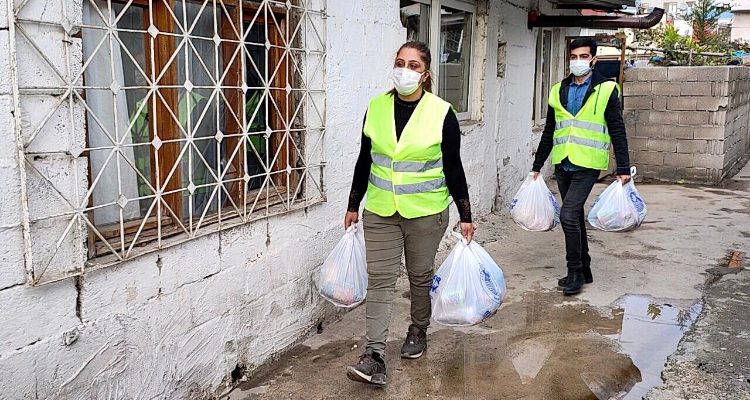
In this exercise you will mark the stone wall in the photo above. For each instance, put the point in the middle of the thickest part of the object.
(687, 124)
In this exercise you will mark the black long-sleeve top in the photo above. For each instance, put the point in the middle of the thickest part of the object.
(615, 125)
(455, 178)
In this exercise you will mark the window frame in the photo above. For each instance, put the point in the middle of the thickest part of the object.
(539, 113)
(169, 131)
(468, 6)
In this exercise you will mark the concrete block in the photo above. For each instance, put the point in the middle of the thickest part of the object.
(631, 116)
(693, 117)
(631, 75)
(709, 161)
(190, 262)
(667, 88)
(649, 131)
(5, 81)
(662, 145)
(711, 103)
(7, 133)
(682, 74)
(57, 253)
(120, 288)
(652, 74)
(688, 146)
(678, 160)
(676, 132)
(10, 179)
(636, 143)
(720, 89)
(3, 17)
(32, 313)
(681, 103)
(12, 267)
(59, 183)
(709, 132)
(696, 89)
(715, 74)
(663, 117)
(631, 130)
(717, 117)
(637, 89)
(650, 158)
(638, 103)
(58, 133)
(660, 103)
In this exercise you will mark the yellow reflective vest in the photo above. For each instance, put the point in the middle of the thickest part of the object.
(582, 138)
(406, 176)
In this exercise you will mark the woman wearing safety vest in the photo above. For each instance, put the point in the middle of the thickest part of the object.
(583, 119)
(409, 166)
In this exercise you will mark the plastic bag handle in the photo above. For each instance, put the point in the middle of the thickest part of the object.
(463, 240)
(633, 171)
(351, 228)
(460, 237)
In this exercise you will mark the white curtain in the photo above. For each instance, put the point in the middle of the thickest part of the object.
(111, 110)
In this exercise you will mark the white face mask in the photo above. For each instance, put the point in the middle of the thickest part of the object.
(406, 81)
(580, 67)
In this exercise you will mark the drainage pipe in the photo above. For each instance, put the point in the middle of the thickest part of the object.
(597, 21)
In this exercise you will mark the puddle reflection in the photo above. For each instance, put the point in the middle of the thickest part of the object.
(651, 331)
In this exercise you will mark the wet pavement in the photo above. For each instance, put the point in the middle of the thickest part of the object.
(652, 302)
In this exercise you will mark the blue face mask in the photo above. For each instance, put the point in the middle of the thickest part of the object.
(580, 67)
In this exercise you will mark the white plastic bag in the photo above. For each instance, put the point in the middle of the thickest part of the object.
(343, 275)
(468, 288)
(619, 208)
(534, 207)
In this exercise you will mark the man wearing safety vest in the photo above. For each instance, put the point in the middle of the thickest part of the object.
(583, 119)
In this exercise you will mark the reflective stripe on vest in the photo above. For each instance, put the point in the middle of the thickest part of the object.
(591, 126)
(582, 142)
(406, 166)
(412, 188)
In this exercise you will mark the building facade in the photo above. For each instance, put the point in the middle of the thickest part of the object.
(174, 172)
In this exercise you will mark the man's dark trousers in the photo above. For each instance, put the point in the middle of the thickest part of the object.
(575, 187)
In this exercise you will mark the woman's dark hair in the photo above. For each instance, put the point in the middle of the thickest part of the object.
(425, 56)
(584, 42)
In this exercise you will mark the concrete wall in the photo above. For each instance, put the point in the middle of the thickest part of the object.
(687, 123)
(176, 323)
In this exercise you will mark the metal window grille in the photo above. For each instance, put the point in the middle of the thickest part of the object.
(142, 124)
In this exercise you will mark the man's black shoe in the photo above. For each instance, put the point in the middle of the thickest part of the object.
(370, 369)
(587, 277)
(574, 283)
(415, 343)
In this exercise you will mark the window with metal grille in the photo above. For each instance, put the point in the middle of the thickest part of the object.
(196, 116)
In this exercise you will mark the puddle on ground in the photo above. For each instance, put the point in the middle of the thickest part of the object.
(543, 347)
(651, 331)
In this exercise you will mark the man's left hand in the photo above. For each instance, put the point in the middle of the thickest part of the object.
(623, 178)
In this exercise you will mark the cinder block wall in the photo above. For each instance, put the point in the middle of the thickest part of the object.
(687, 124)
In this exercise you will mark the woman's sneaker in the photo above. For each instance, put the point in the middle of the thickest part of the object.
(370, 369)
(415, 343)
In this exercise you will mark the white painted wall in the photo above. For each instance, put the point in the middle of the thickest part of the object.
(174, 324)
(741, 26)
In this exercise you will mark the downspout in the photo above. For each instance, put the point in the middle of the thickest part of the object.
(599, 21)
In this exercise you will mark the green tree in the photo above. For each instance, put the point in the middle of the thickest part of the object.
(704, 16)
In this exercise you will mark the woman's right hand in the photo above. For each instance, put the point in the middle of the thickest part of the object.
(352, 217)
